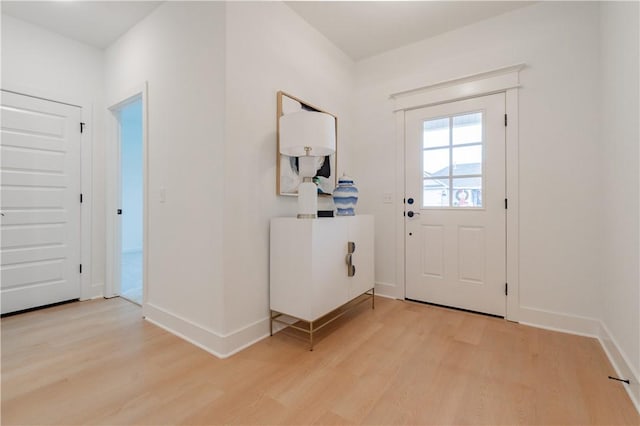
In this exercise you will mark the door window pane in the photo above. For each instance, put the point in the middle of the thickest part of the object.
(436, 162)
(453, 161)
(467, 192)
(467, 160)
(467, 128)
(435, 193)
(436, 133)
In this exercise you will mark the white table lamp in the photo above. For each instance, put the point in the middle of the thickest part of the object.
(307, 134)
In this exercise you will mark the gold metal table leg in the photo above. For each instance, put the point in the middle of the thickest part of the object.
(312, 328)
(373, 298)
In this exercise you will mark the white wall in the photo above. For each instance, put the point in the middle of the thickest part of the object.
(269, 48)
(40, 63)
(213, 71)
(559, 142)
(620, 135)
(212, 80)
(179, 50)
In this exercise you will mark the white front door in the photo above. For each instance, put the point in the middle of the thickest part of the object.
(455, 211)
(40, 204)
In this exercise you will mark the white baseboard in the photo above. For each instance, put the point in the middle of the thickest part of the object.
(386, 296)
(218, 344)
(388, 290)
(94, 292)
(573, 324)
(621, 364)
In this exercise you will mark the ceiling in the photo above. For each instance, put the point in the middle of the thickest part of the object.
(360, 28)
(98, 23)
(366, 28)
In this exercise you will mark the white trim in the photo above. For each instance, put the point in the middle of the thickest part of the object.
(112, 285)
(621, 365)
(555, 321)
(383, 284)
(505, 79)
(220, 345)
(97, 289)
(87, 289)
(399, 210)
(112, 266)
(386, 296)
(47, 95)
(145, 192)
(512, 186)
(389, 290)
(471, 86)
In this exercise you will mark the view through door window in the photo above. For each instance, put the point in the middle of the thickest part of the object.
(452, 161)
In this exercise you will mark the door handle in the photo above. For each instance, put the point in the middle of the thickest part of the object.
(351, 269)
(119, 211)
(411, 213)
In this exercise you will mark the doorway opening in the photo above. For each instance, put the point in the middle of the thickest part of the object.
(130, 210)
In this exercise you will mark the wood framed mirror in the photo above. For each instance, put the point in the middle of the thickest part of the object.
(287, 177)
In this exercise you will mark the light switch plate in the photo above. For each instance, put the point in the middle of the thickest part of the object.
(387, 198)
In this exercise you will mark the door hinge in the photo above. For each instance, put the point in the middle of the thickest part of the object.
(80, 198)
(506, 289)
(505, 120)
(506, 203)
(81, 268)
(82, 127)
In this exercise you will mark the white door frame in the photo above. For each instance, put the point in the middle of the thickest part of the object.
(505, 79)
(112, 282)
(87, 288)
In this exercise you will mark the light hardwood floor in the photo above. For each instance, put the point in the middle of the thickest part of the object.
(98, 362)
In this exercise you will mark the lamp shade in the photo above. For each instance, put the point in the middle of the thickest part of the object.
(315, 130)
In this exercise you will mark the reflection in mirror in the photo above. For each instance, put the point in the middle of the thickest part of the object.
(287, 176)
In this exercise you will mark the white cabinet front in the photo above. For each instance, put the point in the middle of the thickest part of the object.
(309, 272)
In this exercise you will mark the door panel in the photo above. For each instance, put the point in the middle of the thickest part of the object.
(455, 173)
(40, 191)
(433, 250)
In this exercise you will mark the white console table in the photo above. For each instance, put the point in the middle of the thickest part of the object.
(318, 266)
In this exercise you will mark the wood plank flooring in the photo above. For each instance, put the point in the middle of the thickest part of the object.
(98, 362)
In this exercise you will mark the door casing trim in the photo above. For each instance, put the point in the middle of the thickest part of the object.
(113, 193)
(501, 80)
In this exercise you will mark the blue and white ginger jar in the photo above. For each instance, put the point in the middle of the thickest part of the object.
(345, 196)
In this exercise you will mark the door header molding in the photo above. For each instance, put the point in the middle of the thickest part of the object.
(485, 83)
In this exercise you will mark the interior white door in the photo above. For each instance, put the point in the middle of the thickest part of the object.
(455, 211)
(40, 202)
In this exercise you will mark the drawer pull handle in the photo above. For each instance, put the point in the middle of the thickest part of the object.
(351, 269)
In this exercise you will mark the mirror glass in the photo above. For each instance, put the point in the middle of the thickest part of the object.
(287, 178)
